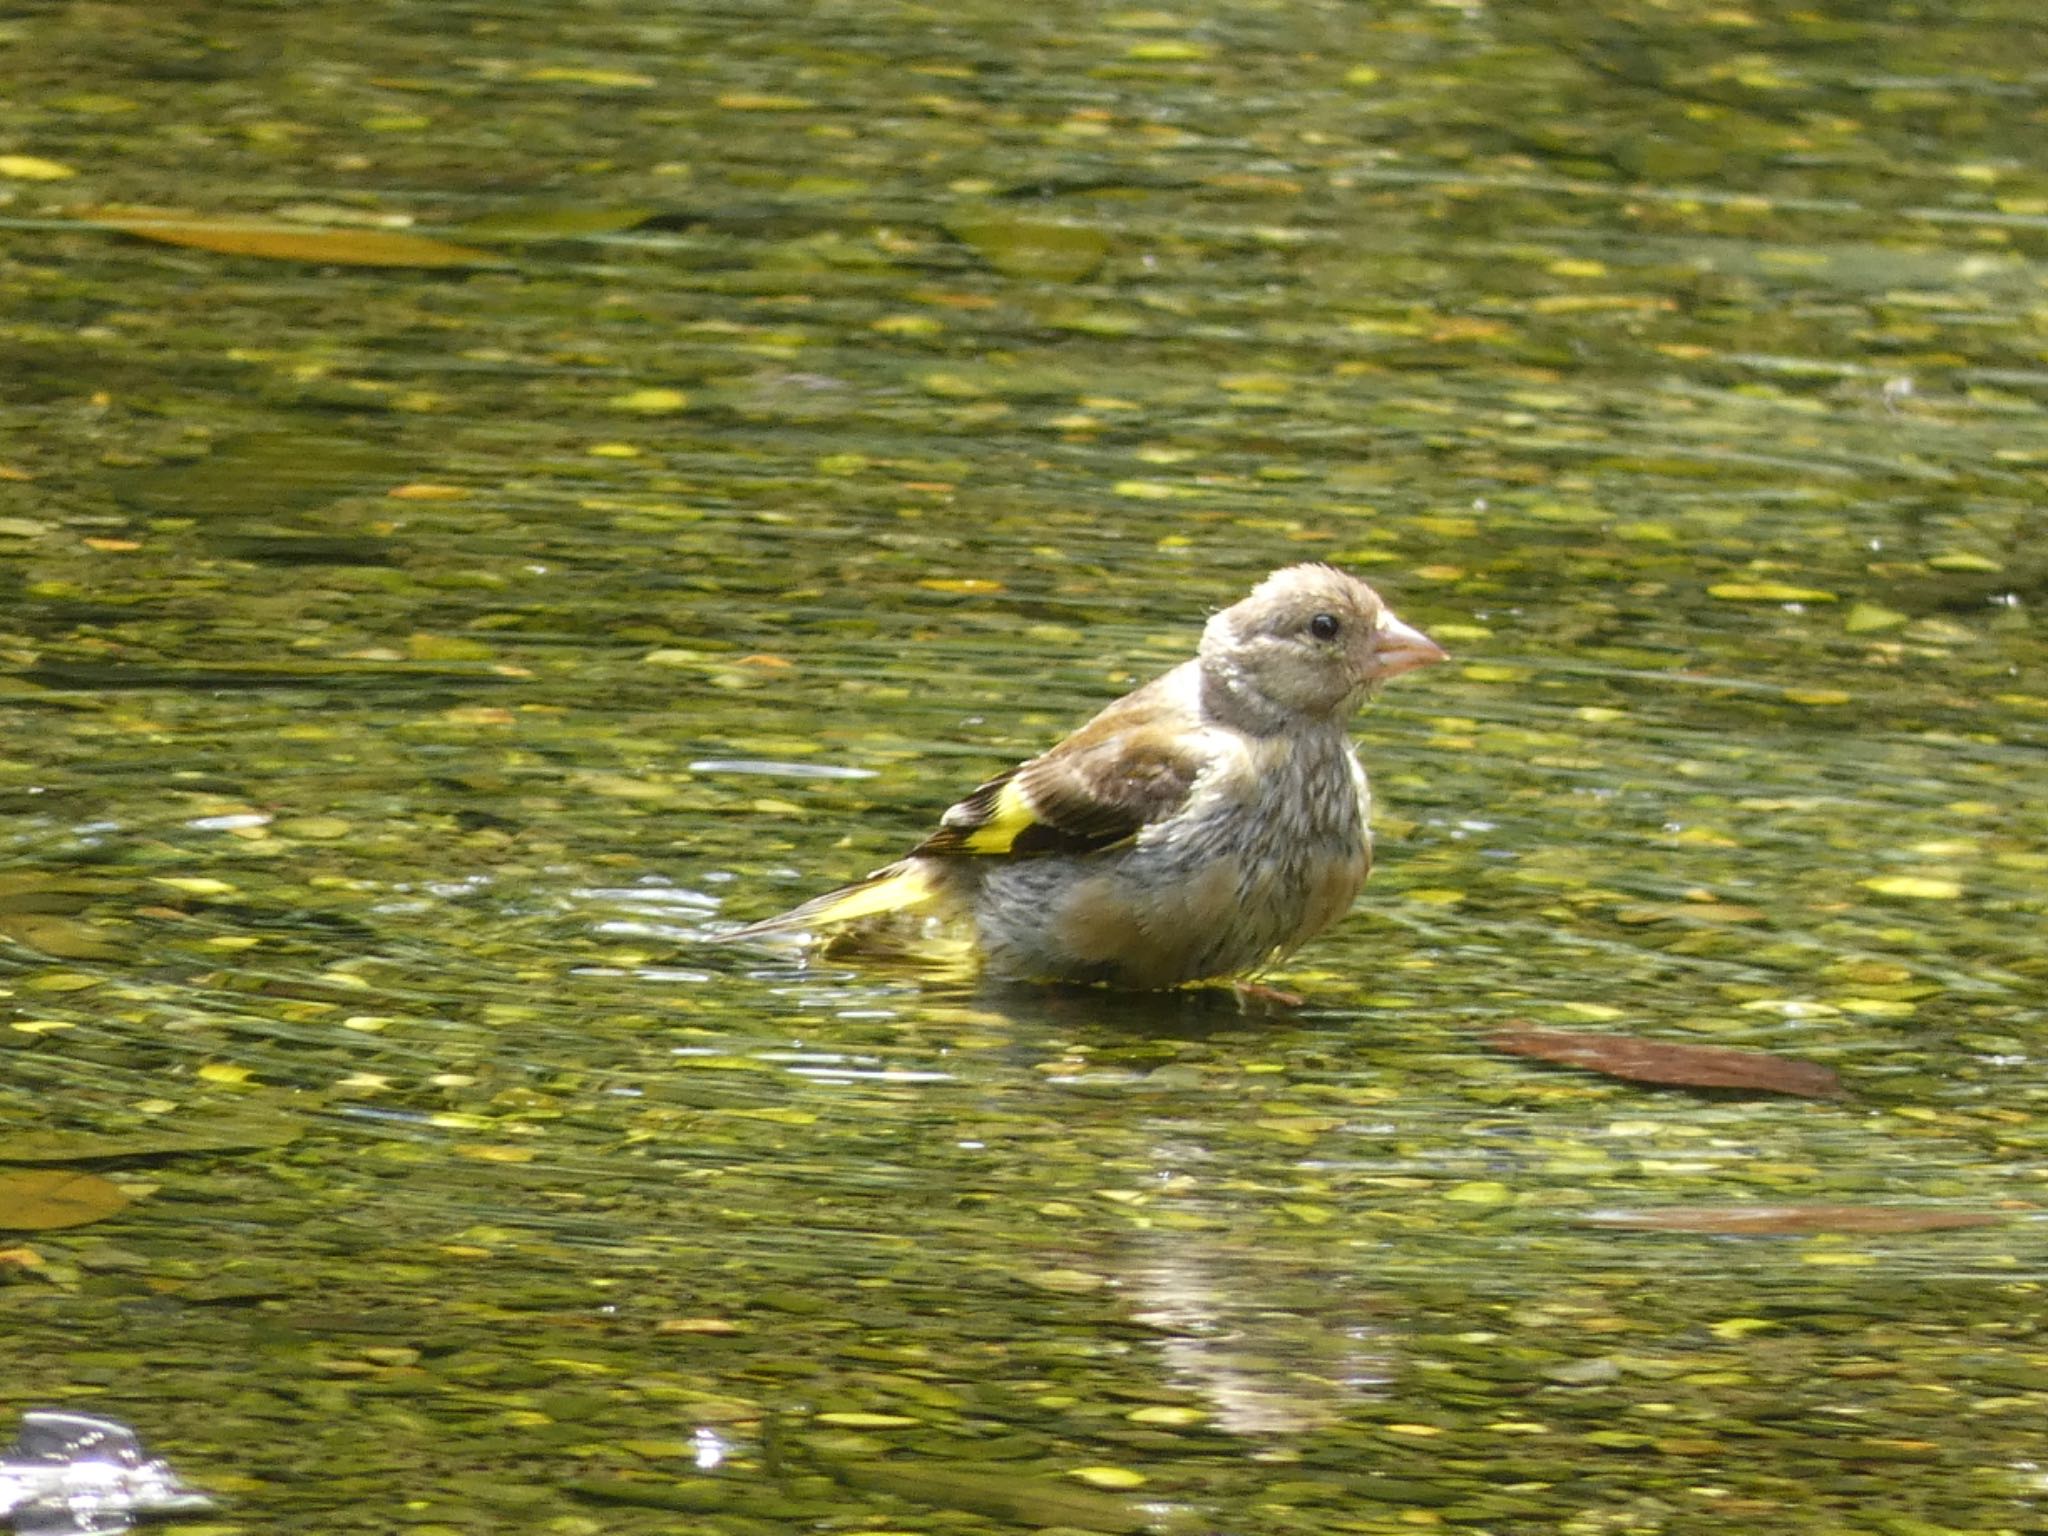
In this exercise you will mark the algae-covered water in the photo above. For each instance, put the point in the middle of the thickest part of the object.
(410, 654)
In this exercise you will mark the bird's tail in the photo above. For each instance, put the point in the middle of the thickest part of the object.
(903, 887)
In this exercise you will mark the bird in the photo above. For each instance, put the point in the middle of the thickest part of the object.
(1199, 829)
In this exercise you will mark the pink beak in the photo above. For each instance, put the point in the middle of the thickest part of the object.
(1403, 648)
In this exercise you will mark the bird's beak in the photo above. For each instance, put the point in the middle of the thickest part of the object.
(1403, 648)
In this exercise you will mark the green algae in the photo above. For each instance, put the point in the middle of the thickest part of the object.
(402, 668)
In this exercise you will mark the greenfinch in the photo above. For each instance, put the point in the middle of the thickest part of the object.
(1200, 828)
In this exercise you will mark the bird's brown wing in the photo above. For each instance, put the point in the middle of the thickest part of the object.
(1119, 773)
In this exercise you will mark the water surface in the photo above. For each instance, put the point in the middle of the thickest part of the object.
(404, 667)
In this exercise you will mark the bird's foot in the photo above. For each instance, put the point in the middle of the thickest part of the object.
(1258, 991)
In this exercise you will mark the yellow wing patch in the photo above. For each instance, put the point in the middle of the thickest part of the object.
(1008, 818)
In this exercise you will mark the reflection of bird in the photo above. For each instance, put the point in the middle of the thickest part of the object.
(1202, 826)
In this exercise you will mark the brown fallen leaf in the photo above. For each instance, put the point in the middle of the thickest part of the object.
(338, 247)
(1662, 1061)
(39, 1199)
(1775, 1220)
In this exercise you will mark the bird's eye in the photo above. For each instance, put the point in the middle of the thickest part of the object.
(1324, 626)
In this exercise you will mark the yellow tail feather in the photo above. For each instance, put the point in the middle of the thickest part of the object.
(899, 888)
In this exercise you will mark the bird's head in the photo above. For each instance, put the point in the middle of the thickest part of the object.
(1309, 641)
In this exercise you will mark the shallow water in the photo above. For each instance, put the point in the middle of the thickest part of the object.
(404, 668)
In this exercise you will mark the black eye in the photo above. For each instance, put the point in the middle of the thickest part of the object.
(1324, 626)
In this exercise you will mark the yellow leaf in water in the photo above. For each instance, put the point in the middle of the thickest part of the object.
(1167, 1415)
(1074, 1281)
(196, 885)
(1109, 1477)
(1019, 245)
(965, 584)
(223, 1072)
(1914, 887)
(1869, 618)
(1309, 1215)
(1171, 51)
(38, 1199)
(427, 647)
(33, 168)
(651, 402)
(337, 247)
(61, 981)
(853, 1419)
(1767, 592)
(758, 101)
(317, 828)
(570, 76)
(1480, 1192)
(1739, 1327)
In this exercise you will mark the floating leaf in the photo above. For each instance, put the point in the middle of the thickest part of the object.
(855, 1419)
(544, 221)
(63, 938)
(1109, 1477)
(568, 75)
(651, 402)
(1072, 1281)
(1659, 1061)
(1776, 1220)
(1170, 51)
(1036, 248)
(1768, 592)
(196, 885)
(1168, 1415)
(1913, 887)
(1480, 1192)
(31, 890)
(37, 1200)
(338, 247)
(33, 168)
(1869, 618)
(1688, 911)
(763, 101)
(1153, 490)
